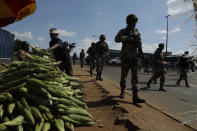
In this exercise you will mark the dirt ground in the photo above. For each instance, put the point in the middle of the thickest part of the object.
(110, 113)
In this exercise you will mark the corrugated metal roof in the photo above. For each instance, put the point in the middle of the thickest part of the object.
(6, 44)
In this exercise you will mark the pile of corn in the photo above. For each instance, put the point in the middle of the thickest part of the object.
(35, 95)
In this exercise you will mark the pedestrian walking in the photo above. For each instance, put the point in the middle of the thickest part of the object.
(130, 53)
(158, 67)
(184, 63)
(146, 65)
(191, 65)
(102, 52)
(74, 58)
(91, 57)
(82, 55)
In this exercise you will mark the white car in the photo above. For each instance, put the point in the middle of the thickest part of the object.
(114, 61)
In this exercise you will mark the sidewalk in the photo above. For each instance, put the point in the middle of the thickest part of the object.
(108, 109)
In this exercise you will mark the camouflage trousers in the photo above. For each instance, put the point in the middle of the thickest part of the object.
(100, 61)
(81, 62)
(126, 65)
(92, 64)
(183, 75)
(158, 72)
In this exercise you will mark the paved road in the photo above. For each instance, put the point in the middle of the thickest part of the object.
(179, 102)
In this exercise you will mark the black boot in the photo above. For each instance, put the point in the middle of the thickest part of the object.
(136, 98)
(97, 76)
(177, 83)
(100, 78)
(187, 85)
(148, 84)
(162, 89)
(121, 94)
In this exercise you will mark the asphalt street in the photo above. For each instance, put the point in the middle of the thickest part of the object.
(179, 102)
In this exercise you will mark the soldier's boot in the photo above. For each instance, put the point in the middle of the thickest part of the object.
(136, 98)
(122, 86)
(90, 73)
(97, 76)
(100, 78)
(155, 81)
(122, 94)
(187, 85)
(177, 83)
(148, 84)
(162, 89)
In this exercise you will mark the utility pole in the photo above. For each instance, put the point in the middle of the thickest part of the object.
(167, 35)
(195, 10)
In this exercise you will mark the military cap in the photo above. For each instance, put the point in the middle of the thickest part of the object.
(161, 45)
(102, 36)
(93, 43)
(53, 31)
(186, 52)
(131, 17)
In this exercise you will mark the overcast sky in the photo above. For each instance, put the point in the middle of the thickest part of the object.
(82, 21)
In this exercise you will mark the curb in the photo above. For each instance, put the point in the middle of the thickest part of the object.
(163, 112)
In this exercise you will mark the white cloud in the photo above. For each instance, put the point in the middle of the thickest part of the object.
(115, 46)
(63, 32)
(179, 7)
(161, 31)
(178, 52)
(164, 37)
(51, 24)
(84, 44)
(99, 13)
(176, 29)
(149, 48)
(25, 35)
(40, 38)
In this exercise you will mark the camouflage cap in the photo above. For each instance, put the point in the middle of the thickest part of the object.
(102, 36)
(53, 31)
(186, 52)
(131, 17)
(161, 45)
(93, 43)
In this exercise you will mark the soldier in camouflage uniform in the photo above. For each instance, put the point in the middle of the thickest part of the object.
(184, 64)
(102, 52)
(158, 67)
(130, 53)
(82, 55)
(91, 57)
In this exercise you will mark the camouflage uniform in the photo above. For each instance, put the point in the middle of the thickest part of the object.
(184, 63)
(91, 56)
(158, 68)
(130, 52)
(101, 51)
(82, 55)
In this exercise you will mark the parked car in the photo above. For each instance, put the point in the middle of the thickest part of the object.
(114, 61)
